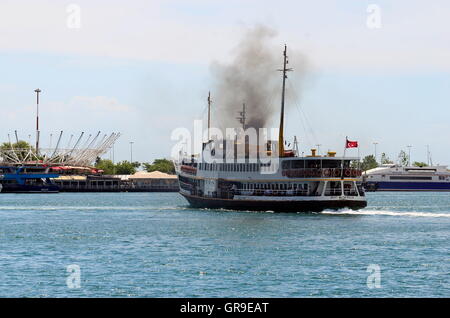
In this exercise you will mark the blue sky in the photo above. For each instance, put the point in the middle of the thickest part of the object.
(143, 68)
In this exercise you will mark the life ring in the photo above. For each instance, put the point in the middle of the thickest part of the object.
(326, 172)
(347, 172)
(337, 172)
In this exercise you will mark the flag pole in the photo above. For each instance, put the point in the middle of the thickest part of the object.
(342, 161)
(359, 158)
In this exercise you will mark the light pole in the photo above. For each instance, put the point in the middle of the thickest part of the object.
(375, 145)
(37, 91)
(409, 155)
(131, 151)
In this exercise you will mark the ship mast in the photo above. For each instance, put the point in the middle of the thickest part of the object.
(281, 133)
(37, 90)
(242, 117)
(209, 115)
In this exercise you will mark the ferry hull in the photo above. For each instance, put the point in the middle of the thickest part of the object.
(16, 188)
(276, 206)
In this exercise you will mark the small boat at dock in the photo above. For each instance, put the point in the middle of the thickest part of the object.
(27, 179)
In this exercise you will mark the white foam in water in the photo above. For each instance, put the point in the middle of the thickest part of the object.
(389, 213)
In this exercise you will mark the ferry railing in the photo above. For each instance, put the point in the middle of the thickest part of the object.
(333, 192)
(351, 192)
(321, 173)
(266, 192)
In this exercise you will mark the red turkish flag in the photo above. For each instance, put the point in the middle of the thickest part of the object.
(351, 144)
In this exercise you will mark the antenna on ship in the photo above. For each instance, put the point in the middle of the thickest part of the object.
(295, 148)
(242, 116)
(281, 133)
(209, 115)
(37, 90)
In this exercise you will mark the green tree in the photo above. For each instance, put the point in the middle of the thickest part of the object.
(403, 158)
(21, 148)
(385, 159)
(368, 163)
(419, 164)
(162, 165)
(106, 165)
(126, 167)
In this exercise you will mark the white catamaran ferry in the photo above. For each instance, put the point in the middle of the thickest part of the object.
(283, 182)
(392, 177)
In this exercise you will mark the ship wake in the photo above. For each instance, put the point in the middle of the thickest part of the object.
(389, 213)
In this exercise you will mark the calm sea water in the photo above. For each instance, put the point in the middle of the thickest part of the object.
(154, 245)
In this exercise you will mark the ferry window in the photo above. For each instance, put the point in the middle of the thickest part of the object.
(331, 163)
(350, 188)
(286, 164)
(409, 178)
(313, 164)
(297, 164)
(333, 188)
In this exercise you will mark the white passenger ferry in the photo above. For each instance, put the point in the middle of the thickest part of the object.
(392, 177)
(284, 183)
